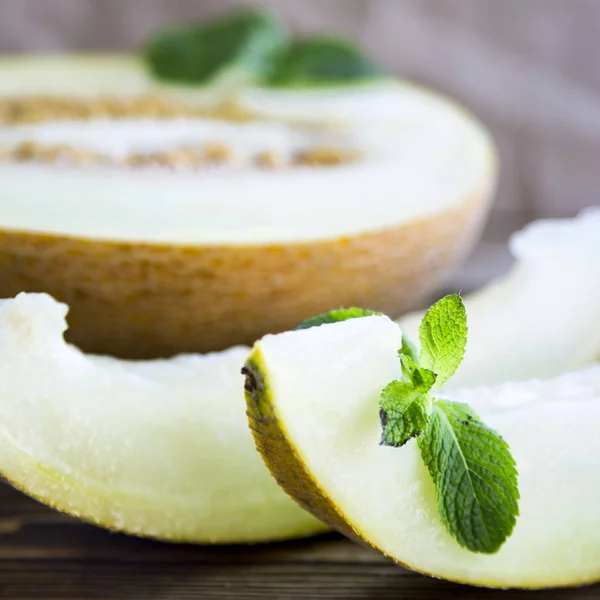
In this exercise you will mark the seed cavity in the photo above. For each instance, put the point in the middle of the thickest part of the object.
(204, 154)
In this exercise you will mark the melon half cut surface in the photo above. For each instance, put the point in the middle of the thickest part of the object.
(313, 404)
(167, 218)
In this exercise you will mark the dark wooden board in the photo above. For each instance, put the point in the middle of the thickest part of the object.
(45, 555)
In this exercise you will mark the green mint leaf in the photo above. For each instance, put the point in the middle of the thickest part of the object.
(334, 316)
(422, 379)
(474, 474)
(404, 412)
(443, 335)
(248, 40)
(409, 349)
(471, 466)
(322, 61)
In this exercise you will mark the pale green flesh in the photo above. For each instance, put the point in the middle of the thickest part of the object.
(325, 384)
(157, 448)
(407, 138)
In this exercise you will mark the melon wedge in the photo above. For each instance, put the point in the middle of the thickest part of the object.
(158, 448)
(313, 404)
(543, 317)
(154, 261)
(220, 481)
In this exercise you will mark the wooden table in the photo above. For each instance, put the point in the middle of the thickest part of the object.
(45, 555)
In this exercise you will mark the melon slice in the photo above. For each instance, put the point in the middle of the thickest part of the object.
(158, 449)
(154, 261)
(541, 319)
(313, 404)
(111, 417)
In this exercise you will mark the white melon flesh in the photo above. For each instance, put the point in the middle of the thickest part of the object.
(155, 448)
(89, 76)
(323, 386)
(541, 319)
(420, 155)
(106, 171)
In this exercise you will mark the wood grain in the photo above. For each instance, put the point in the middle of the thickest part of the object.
(46, 555)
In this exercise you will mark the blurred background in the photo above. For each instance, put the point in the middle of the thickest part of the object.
(528, 68)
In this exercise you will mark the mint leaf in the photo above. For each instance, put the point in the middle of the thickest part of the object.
(471, 465)
(405, 405)
(422, 379)
(248, 39)
(323, 60)
(443, 335)
(474, 474)
(334, 316)
(404, 412)
(408, 349)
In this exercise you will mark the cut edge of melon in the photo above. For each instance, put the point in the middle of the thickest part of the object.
(184, 472)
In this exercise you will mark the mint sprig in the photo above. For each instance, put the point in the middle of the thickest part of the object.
(334, 316)
(473, 471)
(248, 40)
(323, 60)
(251, 45)
(421, 379)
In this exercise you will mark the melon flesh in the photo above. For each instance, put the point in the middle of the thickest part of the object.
(156, 448)
(89, 76)
(421, 155)
(316, 416)
(157, 256)
(161, 448)
(543, 317)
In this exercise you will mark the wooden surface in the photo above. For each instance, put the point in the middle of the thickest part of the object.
(44, 555)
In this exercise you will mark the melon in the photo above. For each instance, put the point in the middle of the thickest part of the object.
(156, 448)
(313, 406)
(176, 218)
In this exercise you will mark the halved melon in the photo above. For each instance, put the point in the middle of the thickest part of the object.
(153, 448)
(313, 404)
(355, 196)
